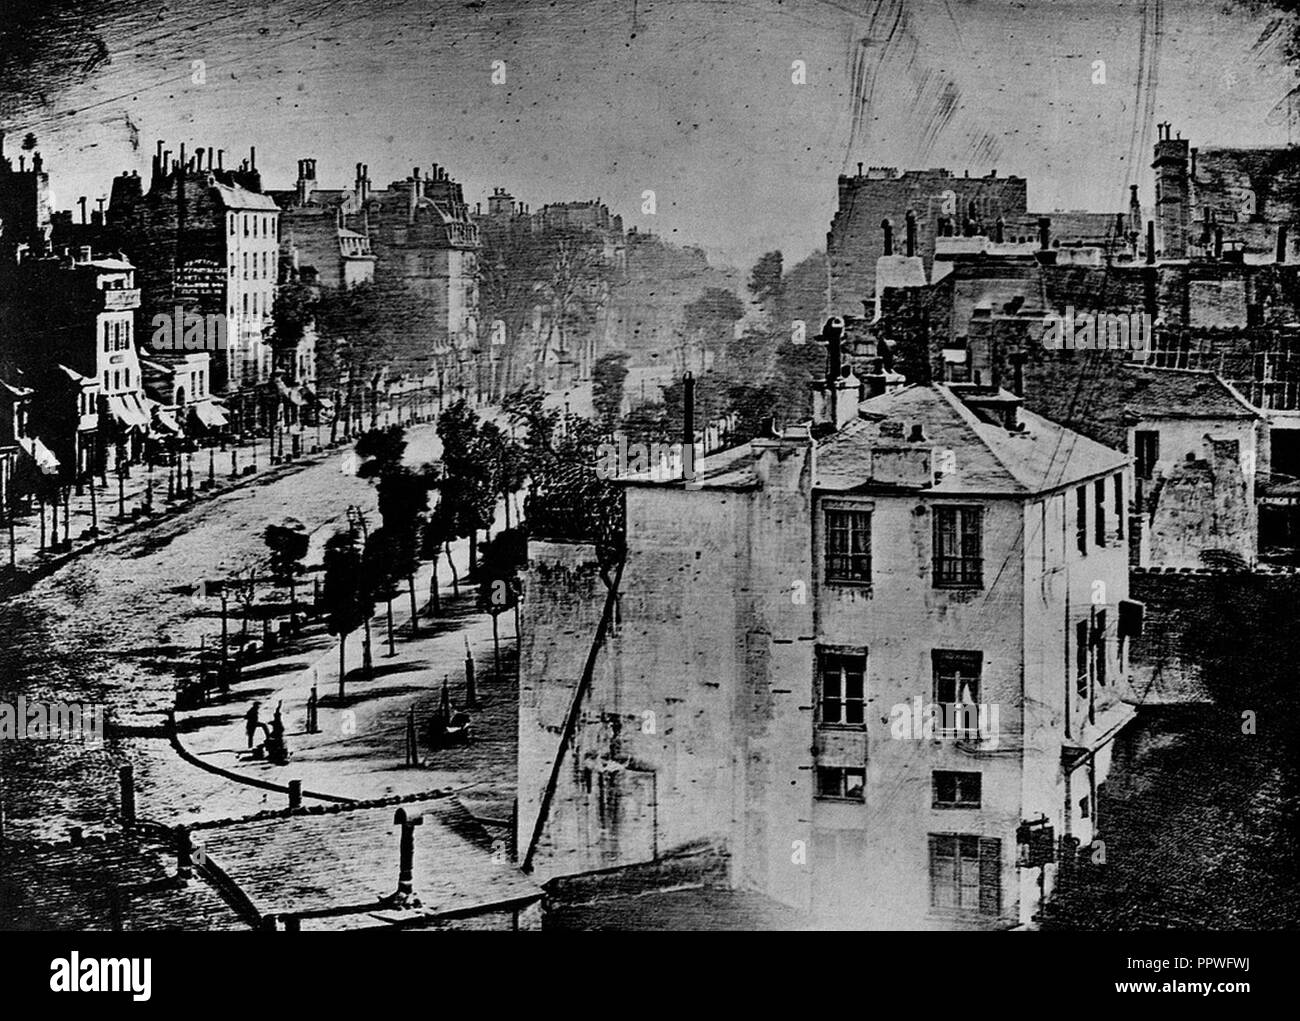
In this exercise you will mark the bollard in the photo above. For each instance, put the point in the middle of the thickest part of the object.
(471, 698)
(126, 777)
(184, 856)
(295, 794)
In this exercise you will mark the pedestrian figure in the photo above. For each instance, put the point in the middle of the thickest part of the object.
(251, 722)
(277, 725)
(313, 725)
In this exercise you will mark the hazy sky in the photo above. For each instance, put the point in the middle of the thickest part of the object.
(692, 99)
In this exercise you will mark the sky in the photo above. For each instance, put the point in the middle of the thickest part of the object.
(691, 99)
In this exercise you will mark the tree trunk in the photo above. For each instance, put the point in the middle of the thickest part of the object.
(455, 579)
(391, 650)
(343, 641)
(496, 646)
(415, 610)
(367, 661)
(433, 588)
(473, 553)
(293, 598)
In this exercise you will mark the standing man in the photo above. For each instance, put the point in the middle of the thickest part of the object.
(251, 722)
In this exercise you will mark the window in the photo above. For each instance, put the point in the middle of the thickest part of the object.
(245, 219)
(844, 782)
(957, 683)
(1081, 658)
(848, 546)
(1119, 506)
(1081, 518)
(1099, 511)
(1099, 647)
(958, 547)
(842, 696)
(956, 790)
(106, 347)
(1083, 807)
(1147, 452)
(965, 873)
(126, 377)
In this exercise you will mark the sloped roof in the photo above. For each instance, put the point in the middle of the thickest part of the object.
(1103, 400)
(234, 197)
(990, 459)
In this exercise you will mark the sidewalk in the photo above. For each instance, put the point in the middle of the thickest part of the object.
(360, 749)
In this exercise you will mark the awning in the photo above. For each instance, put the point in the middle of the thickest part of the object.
(45, 460)
(128, 412)
(209, 415)
(164, 420)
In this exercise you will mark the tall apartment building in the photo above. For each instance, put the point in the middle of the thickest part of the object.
(314, 228)
(872, 663)
(67, 322)
(206, 240)
(426, 246)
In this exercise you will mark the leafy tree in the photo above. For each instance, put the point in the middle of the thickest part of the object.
(293, 311)
(344, 593)
(500, 584)
(607, 387)
(288, 543)
(436, 533)
(765, 282)
(381, 451)
(713, 316)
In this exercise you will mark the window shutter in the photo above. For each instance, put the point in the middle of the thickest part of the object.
(990, 876)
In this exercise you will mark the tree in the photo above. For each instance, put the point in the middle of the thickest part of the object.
(343, 593)
(381, 451)
(765, 282)
(403, 497)
(607, 382)
(292, 312)
(288, 543)
(500, 584)
(382, 566)
(435, 537)
(713, 316)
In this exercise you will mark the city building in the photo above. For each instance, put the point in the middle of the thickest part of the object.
(206, 240)
(789, 621)
(314, 226)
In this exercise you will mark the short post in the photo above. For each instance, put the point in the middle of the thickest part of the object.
(412, 753)
(184, 854)
(126, 780)
(295, 794)
(405, 895)
(313, 718)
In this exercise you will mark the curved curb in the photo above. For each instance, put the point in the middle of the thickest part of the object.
(248, 781)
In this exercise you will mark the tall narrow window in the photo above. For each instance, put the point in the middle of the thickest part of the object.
(1081, 518)
(848, 546)
(1119, 506)
(1081, 658)
(958, 547)
(842, 687)
(1147, 452)
(1099, 511)
(957, 686)
(1099, 646)
(965, 873)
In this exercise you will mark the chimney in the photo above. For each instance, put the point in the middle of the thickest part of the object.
(888, 228)
(221, 159)
(1044, 232)
(999, 230)
(252, 157)
(1281, 243)
(1193, 152)
(859, 169)
(1151, 242)
(910, 251)
(82, 203)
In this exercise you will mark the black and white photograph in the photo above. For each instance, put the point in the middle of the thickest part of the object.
(650, 465)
